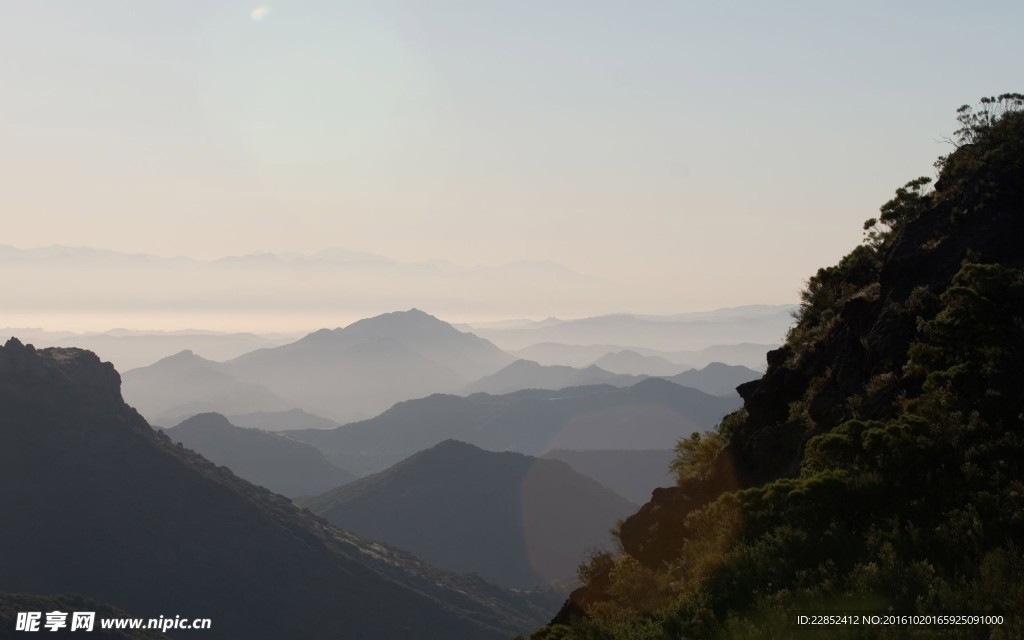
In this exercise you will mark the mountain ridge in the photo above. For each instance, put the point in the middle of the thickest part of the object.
(270, 460)
(71, 451)
(498, 515)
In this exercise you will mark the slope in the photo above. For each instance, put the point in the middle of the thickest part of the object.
(97, 503)
(369, 365)
(510, 518)
(523, 374)
(283, 465)
(652, 414)
(185, 384)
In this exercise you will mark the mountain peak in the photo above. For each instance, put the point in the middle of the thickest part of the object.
(398, 320)
(207, 422)
(29, 375)
(460, 495)
(183, 357)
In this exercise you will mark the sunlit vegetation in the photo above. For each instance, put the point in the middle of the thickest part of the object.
(879, 465)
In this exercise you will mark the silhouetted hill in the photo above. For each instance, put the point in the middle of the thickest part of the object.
(371, 364)
(717, 379)
(523, 374)
(97, 503)
(878, 465)
(510, 518)
(185, 384)
(631, 474)
(283, 465)
(281, 420)
(632, 363)
(652, 414)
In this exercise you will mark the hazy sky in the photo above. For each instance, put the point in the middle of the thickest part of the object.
(717, 152)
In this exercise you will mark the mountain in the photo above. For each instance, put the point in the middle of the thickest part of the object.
(652, 414)
(523, 374)
(281, 420)
(185, 384)
(98, 504)
(717, 379)
(276, 462)
(369, 365)
(627, 361)
(748, 354)
(633, 474)
(568, 355)
(758, 323)
(878, 465)
(512, 519)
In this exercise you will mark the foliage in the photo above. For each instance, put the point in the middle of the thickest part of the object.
(696, 454)
(907, 493)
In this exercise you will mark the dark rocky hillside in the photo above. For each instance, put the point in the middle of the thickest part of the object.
(878, 466)
(97, 503)
(11, 604)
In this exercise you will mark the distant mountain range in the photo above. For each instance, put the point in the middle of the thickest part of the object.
(283, 465)
(629, 362)
(185, 384)
(523, 374)
(281, 420)
(652, 414)
(691, 331)
(97, 503)
(716, 378)
(512, 519)
(371, 364)
(750, 355)
(343, 374)
(630, 473)
(350, 373)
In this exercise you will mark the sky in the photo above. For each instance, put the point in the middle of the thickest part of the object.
(708, 154)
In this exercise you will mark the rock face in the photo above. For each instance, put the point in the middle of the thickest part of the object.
(514, 520)
(97, 503)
